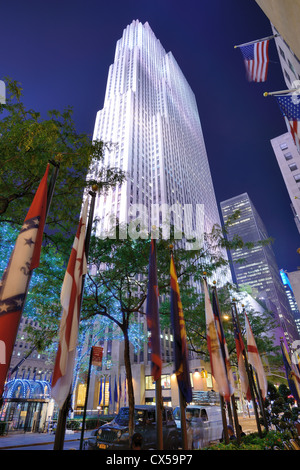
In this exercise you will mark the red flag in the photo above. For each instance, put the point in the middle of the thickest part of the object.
(71, 302)
(254, 358)
(217, 364)
(16, 278)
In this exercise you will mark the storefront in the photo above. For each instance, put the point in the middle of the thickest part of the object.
(26, 405)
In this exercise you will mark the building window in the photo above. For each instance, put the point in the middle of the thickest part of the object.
(297, 177)
(165, 382)
(288, 156)
(293, 166)
(283, 146)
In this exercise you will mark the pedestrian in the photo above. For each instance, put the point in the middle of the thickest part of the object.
(136, 442)
(232, 436)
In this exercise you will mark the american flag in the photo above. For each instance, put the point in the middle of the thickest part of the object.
(71, 302)
(217, 364)
(254, 358)
(256, 59)
(290, 108)
(16, 278)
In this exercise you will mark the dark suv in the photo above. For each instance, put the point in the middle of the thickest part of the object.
(115, 436)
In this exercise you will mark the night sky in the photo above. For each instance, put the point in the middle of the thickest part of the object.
(60, 52)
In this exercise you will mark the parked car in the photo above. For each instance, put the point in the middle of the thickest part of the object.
(204, 425)
(115, 435)
(91, 442)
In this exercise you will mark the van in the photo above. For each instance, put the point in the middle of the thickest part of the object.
(204, 424)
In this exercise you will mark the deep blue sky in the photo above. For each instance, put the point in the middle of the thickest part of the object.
(60, 51)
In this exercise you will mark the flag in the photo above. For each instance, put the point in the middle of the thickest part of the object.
(152, 314)
(217, 364)
(125, 393)
(100, 393)
(292, 374)
(290, 108)
(116, 391)
(254, 358)
(16, 278)
(256, 60)
(222, 339)
(240, 352)
(110, 391)
(71, 302)
(180, 342)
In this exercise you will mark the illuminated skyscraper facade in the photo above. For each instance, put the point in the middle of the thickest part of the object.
(151, 120)
(150, 123)
(258, 268)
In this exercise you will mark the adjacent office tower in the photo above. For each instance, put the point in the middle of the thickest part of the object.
(259, 268)
(150, 118)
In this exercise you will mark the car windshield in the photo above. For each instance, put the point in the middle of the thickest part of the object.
(190, 413)
(123, 417)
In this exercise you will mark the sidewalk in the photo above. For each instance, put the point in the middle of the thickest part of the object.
(21, 439)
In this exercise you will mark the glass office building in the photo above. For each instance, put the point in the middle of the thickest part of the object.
(258, 268)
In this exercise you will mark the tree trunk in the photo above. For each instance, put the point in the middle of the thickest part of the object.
(129, 383)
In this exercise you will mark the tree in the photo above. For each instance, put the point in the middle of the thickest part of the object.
(27, 143)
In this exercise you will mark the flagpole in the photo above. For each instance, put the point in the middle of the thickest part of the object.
(272, 93)
(260, 400)
(182, 404)
(52, 183)
(63, 412)
(159, 412)
(250, 378)
(224, 420)
(257, 40)
(86, 399)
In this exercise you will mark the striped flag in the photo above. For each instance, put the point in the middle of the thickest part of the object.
(222, 339)
(16, 278)
(292, 373)
(256, 59)
(152, 314)
(71, 302)
(180, 341)
(217, 364)
(240, 352)
(254, 358)
(290, 108)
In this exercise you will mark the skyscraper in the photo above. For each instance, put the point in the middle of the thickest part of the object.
(258, 268)
(151, 121)
(152, 131)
